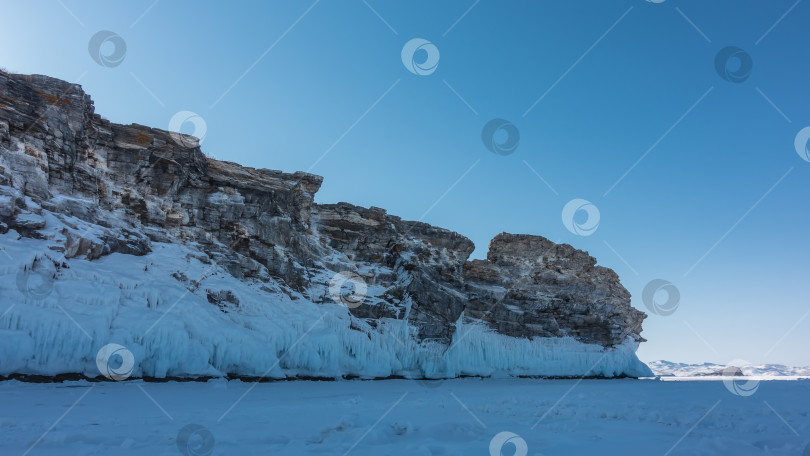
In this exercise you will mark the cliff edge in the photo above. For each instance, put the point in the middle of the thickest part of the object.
(130, 235)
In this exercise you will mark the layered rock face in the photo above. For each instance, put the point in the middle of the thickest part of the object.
(91, 191)
(553, 290)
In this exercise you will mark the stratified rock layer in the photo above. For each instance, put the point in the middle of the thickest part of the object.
(141, 186)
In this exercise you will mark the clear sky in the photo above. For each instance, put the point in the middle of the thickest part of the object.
(694, 173)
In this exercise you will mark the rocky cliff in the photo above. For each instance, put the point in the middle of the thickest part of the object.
(130, 234)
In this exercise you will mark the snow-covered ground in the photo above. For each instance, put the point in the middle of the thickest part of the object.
(405, 417)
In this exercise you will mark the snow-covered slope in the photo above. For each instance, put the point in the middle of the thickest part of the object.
(60, 312)
(190, 266)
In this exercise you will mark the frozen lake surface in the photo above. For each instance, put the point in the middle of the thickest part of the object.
(405, 417)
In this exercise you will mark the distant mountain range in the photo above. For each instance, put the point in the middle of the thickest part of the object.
(669, 369)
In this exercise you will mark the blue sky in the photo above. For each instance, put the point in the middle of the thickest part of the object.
(717, 206)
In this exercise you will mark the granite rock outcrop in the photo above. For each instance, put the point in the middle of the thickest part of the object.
(140, 186)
